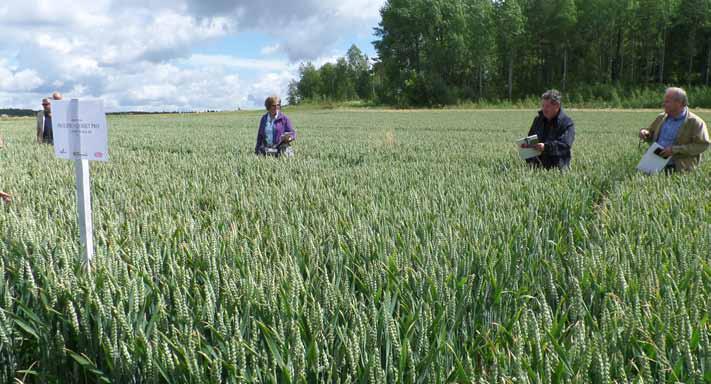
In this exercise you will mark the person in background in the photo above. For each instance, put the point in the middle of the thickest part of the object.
(44, 120)
(682, 134)
(556, 133)
(44, 123)
(275, 132)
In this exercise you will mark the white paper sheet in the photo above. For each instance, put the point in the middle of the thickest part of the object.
(651, 162)
(527, 153)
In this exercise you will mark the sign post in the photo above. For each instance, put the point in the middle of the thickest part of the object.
(81, 134)
(86, 226)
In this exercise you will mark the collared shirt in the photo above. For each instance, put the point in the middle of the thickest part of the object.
(670, 129)
(269, 129)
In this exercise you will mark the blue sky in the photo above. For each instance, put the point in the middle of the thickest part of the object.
(156, 55)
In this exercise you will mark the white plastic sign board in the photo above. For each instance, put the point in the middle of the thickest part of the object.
(80, 134)
(79, 129)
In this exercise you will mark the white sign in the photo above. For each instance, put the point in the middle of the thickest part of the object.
(652, 162)
(80, 130)
(80, 134)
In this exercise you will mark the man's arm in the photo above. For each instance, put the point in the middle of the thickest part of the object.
(562, 144)
(40, 127)
(700, 142)
(533, 131)
(533, 128)
(648, 133)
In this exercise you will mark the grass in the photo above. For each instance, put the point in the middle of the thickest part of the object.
(396, 246)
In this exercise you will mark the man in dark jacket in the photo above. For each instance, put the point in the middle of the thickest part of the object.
(556, 133)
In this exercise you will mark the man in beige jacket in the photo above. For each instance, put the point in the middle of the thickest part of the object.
(682, 134)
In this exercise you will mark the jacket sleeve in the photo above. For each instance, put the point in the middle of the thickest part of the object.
(288, 128)
(700, 142)
(654, 127)
(533, 128)
(562, 144)
(260, 136)
(40, 127)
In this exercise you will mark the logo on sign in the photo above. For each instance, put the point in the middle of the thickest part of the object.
(98, 155)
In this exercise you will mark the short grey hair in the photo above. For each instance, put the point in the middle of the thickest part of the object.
(552, 95)
(679, 95)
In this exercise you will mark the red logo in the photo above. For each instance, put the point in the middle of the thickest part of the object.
(99, 155)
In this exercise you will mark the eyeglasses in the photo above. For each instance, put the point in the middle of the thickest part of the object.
(46, 104)
(275, 106)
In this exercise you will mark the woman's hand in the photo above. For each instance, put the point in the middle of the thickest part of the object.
(5, 197)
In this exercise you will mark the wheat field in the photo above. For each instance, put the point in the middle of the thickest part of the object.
(396, 246)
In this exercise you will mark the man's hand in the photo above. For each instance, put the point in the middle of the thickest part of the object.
(539, 147)
(5, 197)
(644, 134)
(667, 152)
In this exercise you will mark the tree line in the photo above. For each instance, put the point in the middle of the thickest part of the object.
(441, 52)
(15, 112)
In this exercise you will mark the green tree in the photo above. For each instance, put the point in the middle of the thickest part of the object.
(401, 36)
(309, 86)
(293, 96)
(480, 41)
(511, 22)
(564, 19)
(360, 72)
(329, 79)
(692, 23)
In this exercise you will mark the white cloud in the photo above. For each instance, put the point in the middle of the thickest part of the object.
(360, 9)
(227, 61)
(270, 49)
(142, 54)
(25, 80)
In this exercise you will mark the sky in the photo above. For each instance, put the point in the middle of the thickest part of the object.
(179, 55)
